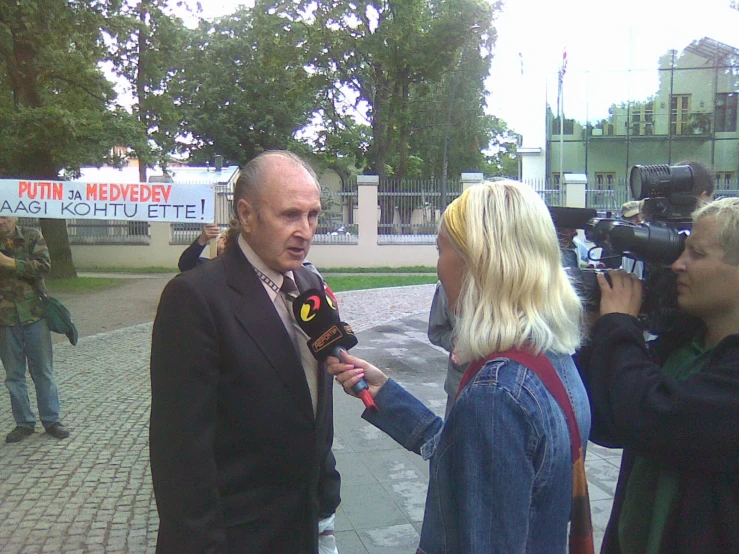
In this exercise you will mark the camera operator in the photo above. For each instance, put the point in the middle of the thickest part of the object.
(673, 406)
(704, 181)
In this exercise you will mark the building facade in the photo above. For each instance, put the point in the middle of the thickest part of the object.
(691, 115)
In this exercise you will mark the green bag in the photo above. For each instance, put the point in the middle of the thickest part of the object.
(59, 319)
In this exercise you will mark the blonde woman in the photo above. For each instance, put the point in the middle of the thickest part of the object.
(501, 464)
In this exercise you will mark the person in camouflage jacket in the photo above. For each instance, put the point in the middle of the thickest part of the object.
(24, 333)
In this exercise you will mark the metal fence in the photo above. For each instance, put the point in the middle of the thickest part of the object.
(552, 194)
(410, 209)
(185, 233)
(337, 222)
(409, 213)
(101, 231)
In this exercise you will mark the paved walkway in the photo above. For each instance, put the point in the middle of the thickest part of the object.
(92, 492)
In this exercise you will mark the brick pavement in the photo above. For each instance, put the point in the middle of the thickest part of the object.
(92, 492)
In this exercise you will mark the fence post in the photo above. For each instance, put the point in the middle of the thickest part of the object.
(575, 190)
(469, 179)
(367, 207)
(161, 235)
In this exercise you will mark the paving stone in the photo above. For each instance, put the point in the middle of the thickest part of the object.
(91, 493)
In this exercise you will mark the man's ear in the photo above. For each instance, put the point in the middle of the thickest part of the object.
(246, 213)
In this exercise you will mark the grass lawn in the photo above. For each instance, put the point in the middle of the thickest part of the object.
(328, 270)
(80, 284)
(411, 269)
(127, 270)
(361, 282)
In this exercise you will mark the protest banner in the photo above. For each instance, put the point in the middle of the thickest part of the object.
(166, 202)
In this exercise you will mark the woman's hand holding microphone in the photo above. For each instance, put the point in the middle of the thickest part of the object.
(350, 370)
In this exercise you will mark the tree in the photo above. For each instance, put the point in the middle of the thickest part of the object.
(391, 56)
(244, 88)
(146, 51)
(53, 98)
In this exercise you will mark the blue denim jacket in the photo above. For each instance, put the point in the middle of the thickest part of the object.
(501, 467)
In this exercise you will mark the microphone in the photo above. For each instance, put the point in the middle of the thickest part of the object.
(318, 317)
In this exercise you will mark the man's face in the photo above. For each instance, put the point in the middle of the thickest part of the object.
(7, 226)
(707, 286)
(280, 222)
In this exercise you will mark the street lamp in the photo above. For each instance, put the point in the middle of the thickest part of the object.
(452, 94)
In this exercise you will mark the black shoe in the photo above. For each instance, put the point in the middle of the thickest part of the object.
(19, 433)
(57, 430)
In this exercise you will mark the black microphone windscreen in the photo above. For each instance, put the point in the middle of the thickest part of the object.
(317, 315)
(315, 312)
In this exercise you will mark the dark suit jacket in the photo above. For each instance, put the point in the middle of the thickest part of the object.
(238, 462)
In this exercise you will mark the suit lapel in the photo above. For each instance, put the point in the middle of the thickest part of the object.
(259, 318)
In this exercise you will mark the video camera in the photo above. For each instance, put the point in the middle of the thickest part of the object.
(669, 197)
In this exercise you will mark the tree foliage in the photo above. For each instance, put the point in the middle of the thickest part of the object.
(146, 50)
(53, 98)
(244, 88)
(394, 86)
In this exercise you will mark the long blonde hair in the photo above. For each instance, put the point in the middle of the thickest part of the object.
(515, 292)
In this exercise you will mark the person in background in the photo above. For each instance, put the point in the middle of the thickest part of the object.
(441, 333)
(575, 253)
(673, 405)
(192, 255)
(24, 333)
(631, 211)
(241, 414)
(501, 474)
(704, 181)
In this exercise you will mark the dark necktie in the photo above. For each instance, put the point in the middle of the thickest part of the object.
(291, 292)
(289, 289)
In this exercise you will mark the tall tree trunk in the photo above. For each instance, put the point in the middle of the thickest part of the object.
(37, 165)
(55, 233)
(55, 230)
(380, 143)
(141, 83)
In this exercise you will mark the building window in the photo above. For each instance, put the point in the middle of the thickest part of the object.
(605, 181)
(642, 119)
(726, 104)
(569, 126)
(680, 114)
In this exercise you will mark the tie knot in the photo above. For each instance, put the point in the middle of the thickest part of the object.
(289, 288)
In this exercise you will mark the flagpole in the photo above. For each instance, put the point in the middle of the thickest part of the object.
(561, 135)
(561, 98)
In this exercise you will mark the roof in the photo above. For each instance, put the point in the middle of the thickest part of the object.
(193, 175)
(711, 49)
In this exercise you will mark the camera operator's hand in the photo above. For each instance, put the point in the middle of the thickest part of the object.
(622, 295)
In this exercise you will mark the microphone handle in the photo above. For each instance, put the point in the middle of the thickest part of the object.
(361, 389)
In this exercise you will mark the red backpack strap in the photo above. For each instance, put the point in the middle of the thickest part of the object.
(581, 526)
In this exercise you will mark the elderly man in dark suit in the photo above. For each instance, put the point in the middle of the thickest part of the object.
(242, 416)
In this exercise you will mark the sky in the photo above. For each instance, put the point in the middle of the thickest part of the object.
(597, 36)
